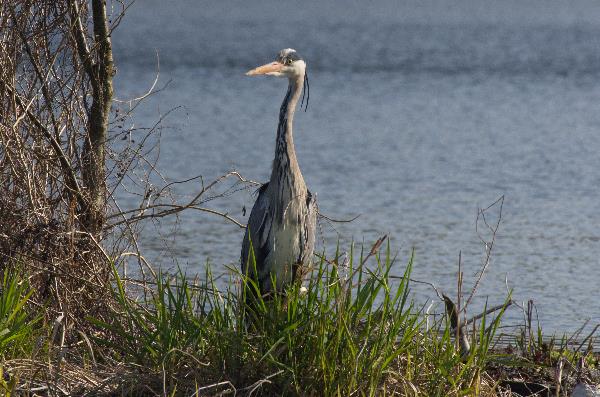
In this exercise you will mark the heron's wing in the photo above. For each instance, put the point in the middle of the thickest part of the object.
(309, 229)
(257, 231)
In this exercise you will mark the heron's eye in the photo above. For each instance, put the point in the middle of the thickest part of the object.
(288, 61)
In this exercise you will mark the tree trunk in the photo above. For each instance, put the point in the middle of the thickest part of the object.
(100, 73)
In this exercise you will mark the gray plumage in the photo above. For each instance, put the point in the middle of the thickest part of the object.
(281, 226)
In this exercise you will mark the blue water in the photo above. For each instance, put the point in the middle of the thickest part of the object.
(419, 114)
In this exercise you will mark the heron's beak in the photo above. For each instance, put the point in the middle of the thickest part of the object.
(272, 67)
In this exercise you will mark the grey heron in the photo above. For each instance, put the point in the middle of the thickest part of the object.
(281, 226)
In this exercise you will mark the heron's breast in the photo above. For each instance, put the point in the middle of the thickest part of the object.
(285, 253)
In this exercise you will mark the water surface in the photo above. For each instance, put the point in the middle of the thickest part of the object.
(419, 114)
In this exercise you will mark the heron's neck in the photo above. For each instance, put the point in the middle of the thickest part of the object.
(285, 165)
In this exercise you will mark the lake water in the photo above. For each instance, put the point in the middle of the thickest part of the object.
(419, 114)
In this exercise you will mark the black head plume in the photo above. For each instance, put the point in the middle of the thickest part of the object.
(305, 90)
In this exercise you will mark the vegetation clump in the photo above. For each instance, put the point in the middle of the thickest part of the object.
(351, 329)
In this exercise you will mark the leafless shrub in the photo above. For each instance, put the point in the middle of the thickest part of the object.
(56, 90)
(66, 150)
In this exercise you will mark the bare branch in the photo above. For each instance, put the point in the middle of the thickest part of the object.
(338, 220)
(80, 40)
(166, 209)
(66, 166)
(489, 245)
(174, 209)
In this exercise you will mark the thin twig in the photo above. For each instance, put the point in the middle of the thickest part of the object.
(488, 245)
(338, 220)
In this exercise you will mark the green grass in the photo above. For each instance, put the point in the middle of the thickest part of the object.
(351, 329)
(16, 323)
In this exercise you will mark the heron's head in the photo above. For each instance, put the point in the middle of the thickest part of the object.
(287, 64)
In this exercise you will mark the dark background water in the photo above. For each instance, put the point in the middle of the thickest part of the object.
(420, 113)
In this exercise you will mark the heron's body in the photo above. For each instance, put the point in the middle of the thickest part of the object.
(281, 227)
